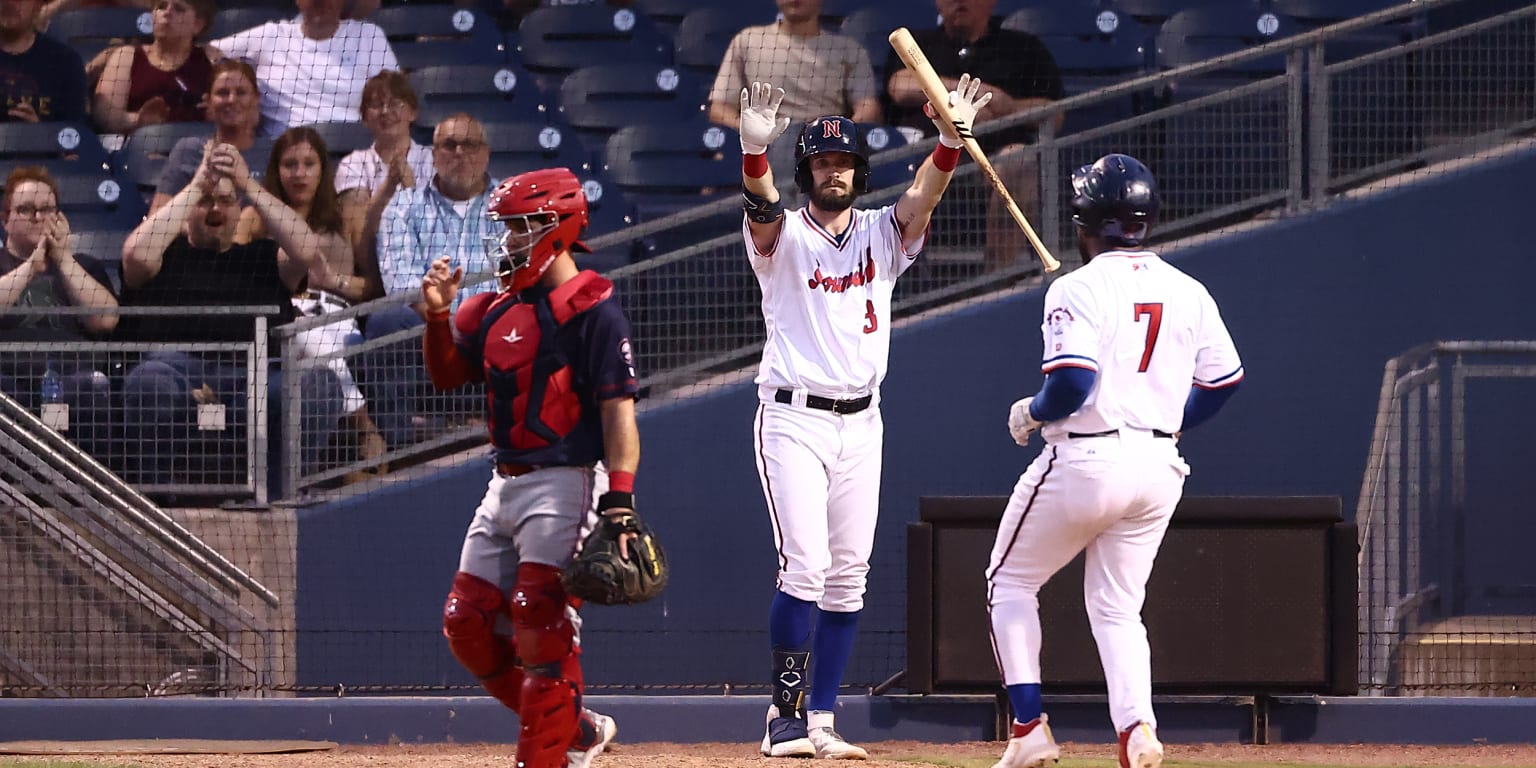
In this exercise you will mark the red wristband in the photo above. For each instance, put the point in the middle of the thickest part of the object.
(755, 166)
(623, 482)
(946, 158)
(439, 316)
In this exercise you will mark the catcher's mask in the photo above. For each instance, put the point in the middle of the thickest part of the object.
(544, 212)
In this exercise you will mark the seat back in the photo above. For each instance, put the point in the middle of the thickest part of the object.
(343, 138)
(91, 30)
(872, 27)
(53, 141)
(706, 33)
(558, 39)
(1205, 32)
(498, 92)
(605, 98)
(1084, 40)
(692, 159)
(528, 146)
(229, 21)
(433, 35)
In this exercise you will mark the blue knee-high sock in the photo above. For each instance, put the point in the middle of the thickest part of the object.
(1025, 698)
(789, 631)
(831, 647)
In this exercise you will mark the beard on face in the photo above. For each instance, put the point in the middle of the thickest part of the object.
(832, 199)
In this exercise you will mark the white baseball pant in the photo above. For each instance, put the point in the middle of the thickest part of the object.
(1112, 496)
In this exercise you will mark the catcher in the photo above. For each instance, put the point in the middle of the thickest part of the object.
(552, 346)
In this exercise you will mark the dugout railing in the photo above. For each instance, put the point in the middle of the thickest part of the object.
(104, 594)
(1431, 621)
(1275, 130)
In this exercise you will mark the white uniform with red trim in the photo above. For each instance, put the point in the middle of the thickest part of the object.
(1110, 474)
(827, 305)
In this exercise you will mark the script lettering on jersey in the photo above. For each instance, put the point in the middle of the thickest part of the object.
(861, 276)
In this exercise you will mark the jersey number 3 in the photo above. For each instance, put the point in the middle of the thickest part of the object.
(869, 314)
(1154, 314)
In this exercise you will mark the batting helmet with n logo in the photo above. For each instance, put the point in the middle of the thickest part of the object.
(830, 133)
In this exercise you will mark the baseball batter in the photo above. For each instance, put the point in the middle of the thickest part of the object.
(826, 272)
(552, 346)
(1135, 352)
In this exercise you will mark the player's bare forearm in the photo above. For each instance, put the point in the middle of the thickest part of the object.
(445, 366)
(916, 205)
(621, 435)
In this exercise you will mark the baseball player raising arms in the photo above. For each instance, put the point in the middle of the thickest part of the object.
(552, 346)
(826, 272)
(1135, 352)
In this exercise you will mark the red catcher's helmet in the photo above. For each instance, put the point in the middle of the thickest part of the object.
(544, 212)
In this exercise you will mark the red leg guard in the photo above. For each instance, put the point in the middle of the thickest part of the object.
(550, 708)
(469, 623)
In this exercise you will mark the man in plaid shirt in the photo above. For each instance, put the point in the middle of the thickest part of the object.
(441, 216)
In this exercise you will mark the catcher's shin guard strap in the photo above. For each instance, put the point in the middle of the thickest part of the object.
(550, 718)
(789, 675)
(760, 209)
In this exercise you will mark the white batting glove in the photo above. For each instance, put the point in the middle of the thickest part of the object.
(964, 103)
(760, 123)
(1020, 424)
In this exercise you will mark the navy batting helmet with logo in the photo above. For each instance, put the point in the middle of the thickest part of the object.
(831, 133)
(1116, 199)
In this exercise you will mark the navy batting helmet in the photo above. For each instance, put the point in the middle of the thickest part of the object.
(831, 133)
(1116, 199)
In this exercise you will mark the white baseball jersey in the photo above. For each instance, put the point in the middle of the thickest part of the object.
(827, 302)
(1147, 329)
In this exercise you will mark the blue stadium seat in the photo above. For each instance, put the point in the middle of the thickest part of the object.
(142, 156)
(229, 21)
(432, 35)
(599, 100)
(106, 245)
(668, 14)
(93, 200)
(609, 209)
(1094, 47)
(91, 30)
(342, 138)
(706, 33)
(664, 168)
(1208, 31)
(834, 11)
(872, 27)
(519, 147)
(1311, 14)
(882, 138)
(1156, 11)
(76, 142)
(559, 39)
(503, 93)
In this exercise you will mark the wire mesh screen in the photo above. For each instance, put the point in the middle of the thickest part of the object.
(1441, 613)
(364, 178)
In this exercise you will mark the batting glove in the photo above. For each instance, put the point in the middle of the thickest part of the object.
(964, 103)
(1020, 424)
(760, 123)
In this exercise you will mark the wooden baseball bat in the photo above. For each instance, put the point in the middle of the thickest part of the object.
(938, 95)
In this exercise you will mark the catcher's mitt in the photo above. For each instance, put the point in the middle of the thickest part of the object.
(598, 574)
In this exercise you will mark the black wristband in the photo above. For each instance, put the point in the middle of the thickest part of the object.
(760, 210)
(615, 500)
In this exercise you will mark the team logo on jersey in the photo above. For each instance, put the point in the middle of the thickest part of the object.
(627, 354)
(1058, 319)
(854, 279)
(513, 337)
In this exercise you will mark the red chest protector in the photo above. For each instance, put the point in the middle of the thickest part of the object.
(528, 378)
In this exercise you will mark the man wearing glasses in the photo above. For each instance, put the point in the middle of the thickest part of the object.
(437, 218)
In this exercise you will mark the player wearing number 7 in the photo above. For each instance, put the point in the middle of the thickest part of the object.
(826, 271)
(1135, 352)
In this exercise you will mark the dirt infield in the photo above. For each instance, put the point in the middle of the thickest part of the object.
(883, 755)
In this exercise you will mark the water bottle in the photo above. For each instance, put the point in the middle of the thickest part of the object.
(52, 390)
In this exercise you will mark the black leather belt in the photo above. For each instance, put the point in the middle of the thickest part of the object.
(1113, 432)
(844, 407)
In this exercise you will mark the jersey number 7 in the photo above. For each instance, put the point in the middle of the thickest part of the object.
(1154, 313)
